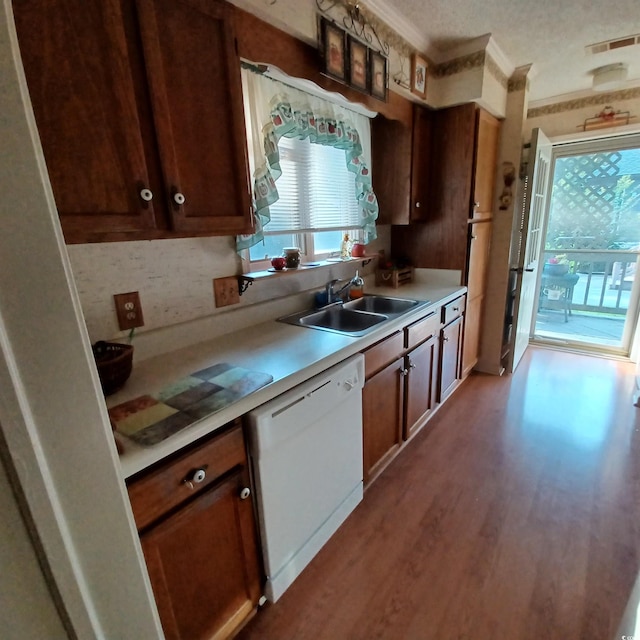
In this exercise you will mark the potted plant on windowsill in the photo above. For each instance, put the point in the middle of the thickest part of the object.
(556, 266)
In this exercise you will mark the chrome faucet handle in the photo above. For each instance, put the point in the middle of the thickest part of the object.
(329, 290)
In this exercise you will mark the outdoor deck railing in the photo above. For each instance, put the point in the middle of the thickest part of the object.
(605, 279)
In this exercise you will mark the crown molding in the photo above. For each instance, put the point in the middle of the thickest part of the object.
(500, 58)
(400, 25)
(463, 50)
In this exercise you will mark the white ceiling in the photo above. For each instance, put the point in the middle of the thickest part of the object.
(551, 34)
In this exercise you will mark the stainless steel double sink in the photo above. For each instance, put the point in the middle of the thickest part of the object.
(354, 318)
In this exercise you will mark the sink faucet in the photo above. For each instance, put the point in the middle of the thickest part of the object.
(333, 296)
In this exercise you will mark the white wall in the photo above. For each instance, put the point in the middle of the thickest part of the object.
(55, 429)
(27, 609)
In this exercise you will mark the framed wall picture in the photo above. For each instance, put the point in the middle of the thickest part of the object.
(378, 75)
(333, 42)
(419, 75)
(358, 59)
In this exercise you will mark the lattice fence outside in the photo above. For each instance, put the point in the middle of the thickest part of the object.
(594, 206)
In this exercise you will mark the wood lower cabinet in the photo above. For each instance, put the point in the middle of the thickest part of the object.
(420, 392)
(382, 407)
(472, 328)
(200, 545)
(450, 357)
(479, 246)
(401, 388)
(139, 109)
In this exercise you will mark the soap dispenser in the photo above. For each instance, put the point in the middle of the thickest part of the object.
(357, 287)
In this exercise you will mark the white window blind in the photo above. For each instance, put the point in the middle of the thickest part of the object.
(317, 191)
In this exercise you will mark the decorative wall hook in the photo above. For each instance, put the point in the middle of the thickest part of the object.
(364, 25)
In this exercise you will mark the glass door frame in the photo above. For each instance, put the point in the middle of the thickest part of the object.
(562, 148)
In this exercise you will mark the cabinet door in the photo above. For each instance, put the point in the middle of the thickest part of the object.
(478, 262)
(420, 396)
(450, 351)
(80, 72)
(421, 164)
(441, 242)
(487, 134)
(391, 151)
(471, 343)
(382, 400)
(196, 95)
(203, 563)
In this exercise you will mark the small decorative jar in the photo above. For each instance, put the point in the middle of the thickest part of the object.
(292, 257)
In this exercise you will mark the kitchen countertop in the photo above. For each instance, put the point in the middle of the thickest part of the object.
(290, 354)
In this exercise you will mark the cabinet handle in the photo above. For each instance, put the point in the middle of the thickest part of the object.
(245, 493)
(476, 205)
(412, 365)
(474, 237)
(196, 477)
(178, 198)
(445, 339)
(417, 205)
(404, 372)
(146, 195)
(456, 308)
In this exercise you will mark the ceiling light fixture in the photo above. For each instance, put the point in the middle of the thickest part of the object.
(609, 77)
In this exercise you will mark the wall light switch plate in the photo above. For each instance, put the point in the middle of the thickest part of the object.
(225, 291)
(128, 310)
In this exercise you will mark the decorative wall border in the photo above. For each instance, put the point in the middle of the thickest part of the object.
(518, 83)
(580, 103)
(458, 65)
(494, 69)
(469, 62)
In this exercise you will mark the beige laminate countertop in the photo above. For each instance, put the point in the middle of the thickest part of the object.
(290, 354)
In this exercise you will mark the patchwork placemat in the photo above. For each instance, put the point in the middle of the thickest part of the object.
(152, 418)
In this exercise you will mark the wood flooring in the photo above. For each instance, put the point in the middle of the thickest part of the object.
(513, 515)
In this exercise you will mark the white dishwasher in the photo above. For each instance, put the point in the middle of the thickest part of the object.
(306, 455)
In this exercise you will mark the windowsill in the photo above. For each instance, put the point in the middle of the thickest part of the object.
(308, 266)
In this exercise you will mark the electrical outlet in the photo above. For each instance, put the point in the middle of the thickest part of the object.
(128, 310)
(225, 291)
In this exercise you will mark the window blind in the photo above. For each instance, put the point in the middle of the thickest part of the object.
(317, 191)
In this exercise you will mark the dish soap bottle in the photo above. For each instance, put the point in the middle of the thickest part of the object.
(345, 247)
(357, 287)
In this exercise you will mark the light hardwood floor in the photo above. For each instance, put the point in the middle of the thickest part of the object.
(513, 515)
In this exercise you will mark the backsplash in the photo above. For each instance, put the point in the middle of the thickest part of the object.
(174, 278)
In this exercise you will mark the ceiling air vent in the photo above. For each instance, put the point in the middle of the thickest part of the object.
(610, 45)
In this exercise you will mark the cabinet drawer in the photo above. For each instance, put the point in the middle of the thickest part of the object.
(165, 487)
(381, 354)
(453, 309)
(421, 330)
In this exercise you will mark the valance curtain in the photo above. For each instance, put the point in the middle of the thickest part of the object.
(274, 110)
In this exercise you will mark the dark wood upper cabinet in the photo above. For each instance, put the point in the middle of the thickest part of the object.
(401, 167)
(462, 162)
(421, 164)
(391, 142)
(196, 95)
(138, 99)
(82, 86)
(452, 151)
